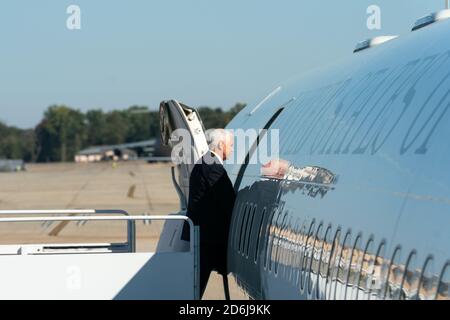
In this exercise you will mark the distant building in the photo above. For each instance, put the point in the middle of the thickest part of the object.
(129, 151)
(11, 165)
(94, 154)
(104, 153)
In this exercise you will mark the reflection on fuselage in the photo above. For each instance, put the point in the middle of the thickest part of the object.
(312, 181)
(318, 260)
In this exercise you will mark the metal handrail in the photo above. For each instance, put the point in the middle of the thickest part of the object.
(62, 211)
(193, 231)
(131, 226)
(107, 218)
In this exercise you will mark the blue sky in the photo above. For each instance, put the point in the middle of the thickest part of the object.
(202, 52)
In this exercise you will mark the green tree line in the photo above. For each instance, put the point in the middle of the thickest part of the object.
(64, 131)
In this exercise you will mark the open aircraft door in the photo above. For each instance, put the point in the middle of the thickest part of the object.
(183, 131)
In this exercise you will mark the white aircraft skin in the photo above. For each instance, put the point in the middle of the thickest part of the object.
(378, 125)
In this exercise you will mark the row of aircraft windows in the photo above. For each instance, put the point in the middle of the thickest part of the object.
(314, 255)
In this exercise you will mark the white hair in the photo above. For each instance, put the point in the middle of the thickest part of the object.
(216, 136)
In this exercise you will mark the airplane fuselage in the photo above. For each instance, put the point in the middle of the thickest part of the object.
(380, 229)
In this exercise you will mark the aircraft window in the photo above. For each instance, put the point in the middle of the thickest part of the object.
(253, 148)
(285, 248)
(295, 235)
(236, 218)
(428, 281)
(324, 261)
(306, 256)
(292, 249)
(297, 250)
(314, 261)
(300, 245)
(243, 224)
(367, 269)
(292, 235)
(279, 241)
(272, 232)
(249, 230)
(354, 270)
(281, 244)
(395, 274)
(238, 222)
(273, 244)
(245, 228)
(268, 235)
(343, 264)
(259, 234)
(333, 264)
(379, 272)
(444, 284)
(411, 278)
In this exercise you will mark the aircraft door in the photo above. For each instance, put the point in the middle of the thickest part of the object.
(183, 131)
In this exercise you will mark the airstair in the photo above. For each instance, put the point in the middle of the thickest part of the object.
(102, 271)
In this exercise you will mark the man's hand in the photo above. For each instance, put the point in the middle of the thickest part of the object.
(275, 168)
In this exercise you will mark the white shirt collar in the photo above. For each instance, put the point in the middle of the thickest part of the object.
(218, 157)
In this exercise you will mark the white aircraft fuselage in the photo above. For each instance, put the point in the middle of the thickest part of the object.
(379, 228)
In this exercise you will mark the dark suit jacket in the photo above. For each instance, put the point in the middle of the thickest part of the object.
(210, 205)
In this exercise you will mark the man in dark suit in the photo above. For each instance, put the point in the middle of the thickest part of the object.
(210, 205)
